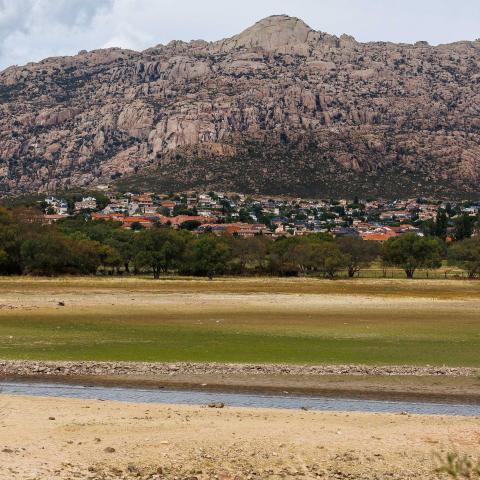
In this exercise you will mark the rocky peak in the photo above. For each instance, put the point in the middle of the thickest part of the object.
(278, 108)
(276, 33)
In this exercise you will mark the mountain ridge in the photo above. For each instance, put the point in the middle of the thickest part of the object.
(354, 116)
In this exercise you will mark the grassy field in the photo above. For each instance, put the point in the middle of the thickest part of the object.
(242, 320)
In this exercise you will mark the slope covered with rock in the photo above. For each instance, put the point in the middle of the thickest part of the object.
(279, 108)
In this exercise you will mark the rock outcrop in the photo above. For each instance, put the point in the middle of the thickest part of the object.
(279, 33)
(279, 108)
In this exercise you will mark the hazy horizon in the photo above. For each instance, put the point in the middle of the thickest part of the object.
(34, 29)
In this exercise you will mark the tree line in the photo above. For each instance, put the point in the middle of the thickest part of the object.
(80, 246)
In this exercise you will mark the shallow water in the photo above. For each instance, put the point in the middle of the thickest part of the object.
(190, 397)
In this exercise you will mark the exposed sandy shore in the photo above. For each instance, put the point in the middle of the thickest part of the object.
(44, 438)
(26, 299)
(297, 293)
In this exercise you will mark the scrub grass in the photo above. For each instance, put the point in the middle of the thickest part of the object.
(246, 320)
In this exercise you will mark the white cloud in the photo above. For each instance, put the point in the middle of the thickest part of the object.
(34, 29)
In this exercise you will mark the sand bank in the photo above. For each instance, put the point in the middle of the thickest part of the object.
(44, 438)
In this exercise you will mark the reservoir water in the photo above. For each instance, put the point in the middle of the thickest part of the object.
(192, 397)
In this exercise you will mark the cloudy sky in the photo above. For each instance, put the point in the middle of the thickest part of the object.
(34, 29)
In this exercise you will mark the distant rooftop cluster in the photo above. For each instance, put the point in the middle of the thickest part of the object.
(246, 216)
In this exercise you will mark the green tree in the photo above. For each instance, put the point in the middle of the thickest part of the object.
(437, 227)
(159, 249)
(182, 209)
(441, 224)
(464, 225)
(10, 244)
(250, 252)
(290, 256)
(328, 258)
(411, 252)
(244, 216)
(102, 200)
(281, 260)
(85, 256)
(51, 253)
(163, 211)
(360, 253)
(312, 254)
(209, 256)
(136, 226)
(110, 258)
(123, 242)
(98, 230)
(466, 255)
(305, 256)
(190, 225)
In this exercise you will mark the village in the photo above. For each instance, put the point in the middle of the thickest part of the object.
(246, 216)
